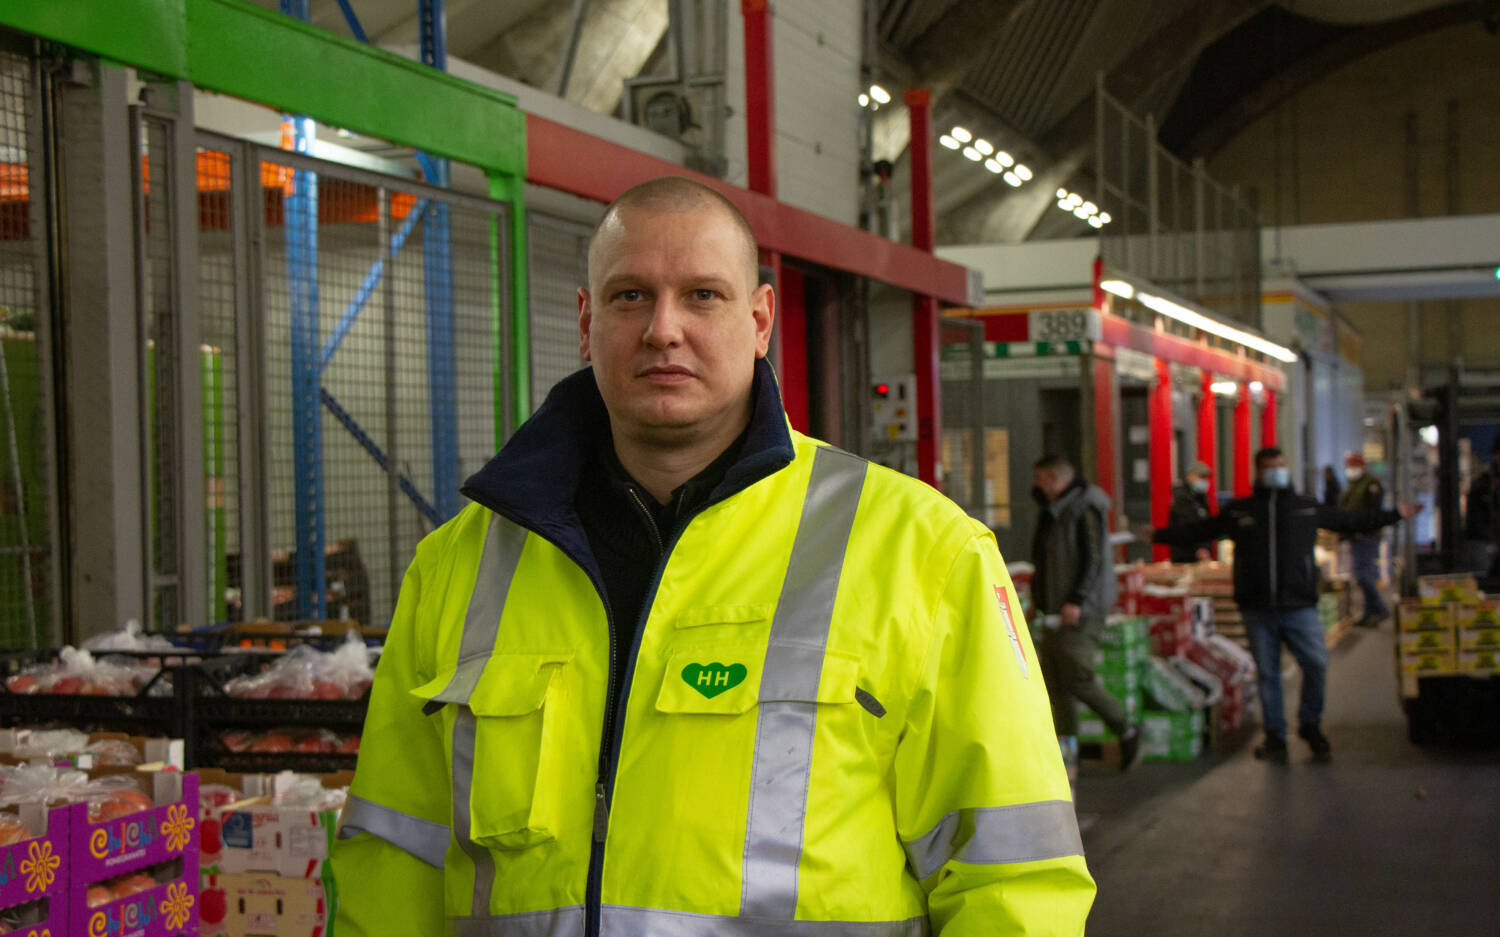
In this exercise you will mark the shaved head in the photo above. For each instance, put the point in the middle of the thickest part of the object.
(675, 194)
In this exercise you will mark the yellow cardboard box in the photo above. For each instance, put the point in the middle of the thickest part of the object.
(1482, 614)
(1415, 642)
(1440, 590)
(1479, 639)
(1479, 661)
(1429, 662)
(1417, 617)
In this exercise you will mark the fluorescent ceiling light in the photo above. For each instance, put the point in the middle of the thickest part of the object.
(1256, 387)
(1005, 159)
(949, 142)
(1074, 200)
(1065, 206)
(993, 166)
(972, 153)
(1104, 217)
(1023, 172)
(984, 146)
(1224, 388)
(1090, 208)
(1429, 435)
(864, 100)
(1080, 214)
(1094, 222)
(1013, 179)
(880, 94)
(1062, 194)
(961, 135)
(1120, 288)
(1203, 323)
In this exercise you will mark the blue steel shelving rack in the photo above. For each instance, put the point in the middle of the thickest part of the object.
(310, 357)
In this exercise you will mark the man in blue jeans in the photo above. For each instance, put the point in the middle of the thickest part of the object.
(1276, 586)
(1364, 494)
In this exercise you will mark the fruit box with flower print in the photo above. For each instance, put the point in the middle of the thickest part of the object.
(136, 874)
(34, 872)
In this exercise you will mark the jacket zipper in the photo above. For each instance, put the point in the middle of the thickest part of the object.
(1272, 527)
(609, 748)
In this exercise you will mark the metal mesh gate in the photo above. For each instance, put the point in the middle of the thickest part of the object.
(558, 258)
(377, 306)
(26, 606)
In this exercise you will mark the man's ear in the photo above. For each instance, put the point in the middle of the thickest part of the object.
(763, 310)
(585, 320)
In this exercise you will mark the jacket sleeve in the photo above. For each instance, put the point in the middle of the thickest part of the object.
(1091, 552)
(388, 857)
(982, 799)
(1208, 530)
(1341, 521)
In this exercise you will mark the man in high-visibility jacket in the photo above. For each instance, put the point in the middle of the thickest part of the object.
(681, 671)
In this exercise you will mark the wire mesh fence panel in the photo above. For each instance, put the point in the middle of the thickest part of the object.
(384, 355)
(558, 255)
(159, 404)
(25, 613)
(218, 272)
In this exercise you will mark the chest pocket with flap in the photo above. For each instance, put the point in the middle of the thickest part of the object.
(514, 793)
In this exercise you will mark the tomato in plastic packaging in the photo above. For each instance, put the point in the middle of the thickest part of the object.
(120, 803)
(272, 742)
(99, 895)
(133, 885)
(21, 683)
(67, 686)
(12, 831)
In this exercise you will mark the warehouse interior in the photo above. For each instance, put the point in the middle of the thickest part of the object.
(277, 276)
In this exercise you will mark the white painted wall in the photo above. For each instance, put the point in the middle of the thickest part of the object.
(817, 52)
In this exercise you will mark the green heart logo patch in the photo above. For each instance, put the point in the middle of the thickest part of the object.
(713, 679)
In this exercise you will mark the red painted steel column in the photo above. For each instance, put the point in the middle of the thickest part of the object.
(792, 323)
(1208, 438)
(1268, 421)
(760, 97)
(924, 319)
(760, 133)
(1103, 380)
(1159, 422)
(1242, 468)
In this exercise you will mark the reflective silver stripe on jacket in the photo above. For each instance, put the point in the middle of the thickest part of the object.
(616, 921)
(789, 688)
(424, 839)
(559, 922)
(998, 836)
(497, 565)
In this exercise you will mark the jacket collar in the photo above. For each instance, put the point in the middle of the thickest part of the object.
(534, 478)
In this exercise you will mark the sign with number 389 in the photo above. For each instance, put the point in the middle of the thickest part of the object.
(1064, 325)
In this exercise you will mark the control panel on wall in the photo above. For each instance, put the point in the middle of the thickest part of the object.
(894, 409)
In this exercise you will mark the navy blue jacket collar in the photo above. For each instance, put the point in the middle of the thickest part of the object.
(534, 478)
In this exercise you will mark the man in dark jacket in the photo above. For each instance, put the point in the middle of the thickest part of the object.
(1075, 585)
(1189, 506)
(1364, 494)
(1479, 519)
(1276, 586)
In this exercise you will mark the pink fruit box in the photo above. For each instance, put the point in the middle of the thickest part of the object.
(37, 869)
(101, 851)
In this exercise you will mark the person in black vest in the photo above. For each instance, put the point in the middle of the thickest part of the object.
(1479, 519)
(1276, 587)
(1189, 506)
(1364, 494)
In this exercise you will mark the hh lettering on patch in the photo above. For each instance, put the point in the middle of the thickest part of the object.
(1010, 631)
(713, 679)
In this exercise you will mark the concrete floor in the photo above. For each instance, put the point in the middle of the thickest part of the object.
(1388, 839)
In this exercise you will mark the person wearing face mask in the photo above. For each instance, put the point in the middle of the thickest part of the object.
(1075, 582)
(1365, 494)
(1189, 506)
(1276, 587)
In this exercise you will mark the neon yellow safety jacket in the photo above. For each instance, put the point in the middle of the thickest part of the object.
(835, 724)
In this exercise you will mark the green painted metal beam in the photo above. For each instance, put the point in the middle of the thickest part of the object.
(512, 189)
(247, 51)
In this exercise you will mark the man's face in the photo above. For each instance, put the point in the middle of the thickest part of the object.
(673, 323)
(1050, 482)
(1273, 462)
